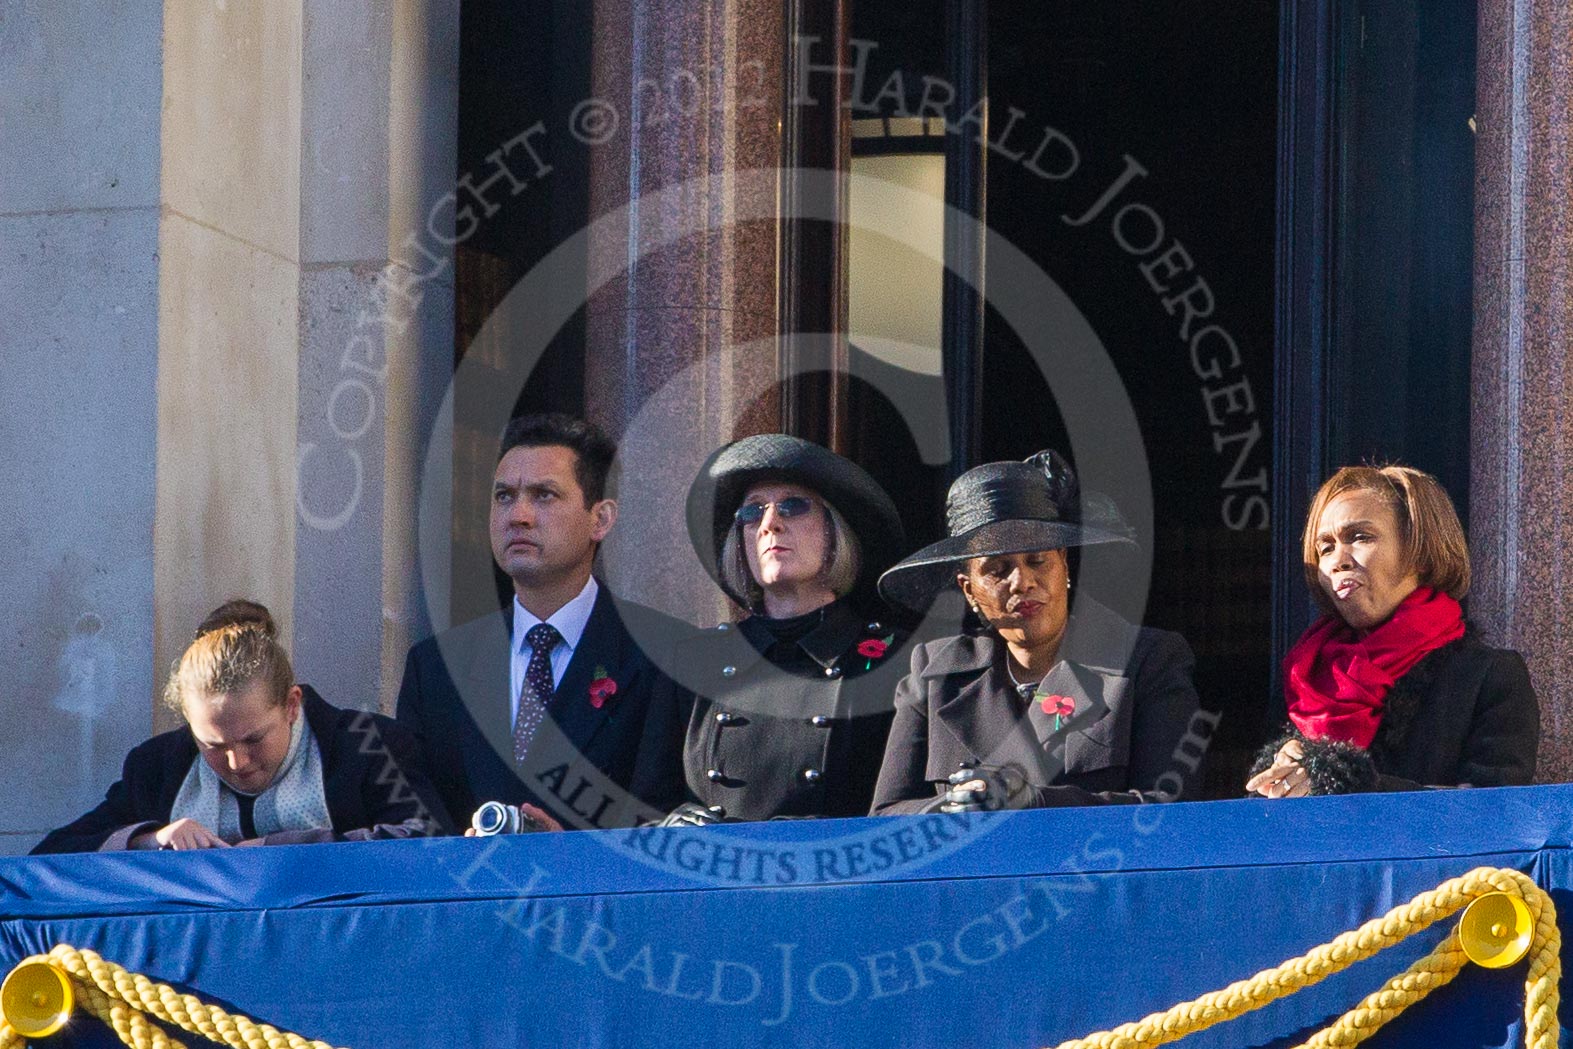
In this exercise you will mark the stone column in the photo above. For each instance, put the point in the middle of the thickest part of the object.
(423, 128)
(1521, 481)
(79, 195)
(305, 321)
(687, 331)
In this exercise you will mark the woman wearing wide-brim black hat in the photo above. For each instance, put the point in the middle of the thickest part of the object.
(784, 713)
(1055, 702)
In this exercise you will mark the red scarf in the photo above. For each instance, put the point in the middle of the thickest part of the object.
(1335, 681)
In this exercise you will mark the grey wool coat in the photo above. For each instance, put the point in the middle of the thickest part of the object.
(1125, 740)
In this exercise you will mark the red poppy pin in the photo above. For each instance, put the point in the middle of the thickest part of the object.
(602, 688)
(1062, 707)
(874, 648)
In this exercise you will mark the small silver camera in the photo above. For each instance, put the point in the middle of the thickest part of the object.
(494, 817)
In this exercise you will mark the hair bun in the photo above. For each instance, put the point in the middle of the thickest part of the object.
(240, 612)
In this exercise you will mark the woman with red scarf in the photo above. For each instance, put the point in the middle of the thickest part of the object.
(1391, 690)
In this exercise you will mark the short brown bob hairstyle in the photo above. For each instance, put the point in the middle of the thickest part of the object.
(1434, 544)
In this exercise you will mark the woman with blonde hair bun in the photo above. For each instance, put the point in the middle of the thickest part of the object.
(262, 760)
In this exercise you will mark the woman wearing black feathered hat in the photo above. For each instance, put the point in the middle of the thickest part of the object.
(1047, 705)
(786, 712)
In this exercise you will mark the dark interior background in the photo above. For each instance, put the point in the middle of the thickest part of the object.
(1400, 358)
(518, 63)
(1190, 91)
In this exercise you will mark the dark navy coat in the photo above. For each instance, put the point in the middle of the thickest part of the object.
(455, 700)
(373, 782)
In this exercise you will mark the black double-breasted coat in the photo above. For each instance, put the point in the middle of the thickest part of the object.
(1133, 702)
(766, 728)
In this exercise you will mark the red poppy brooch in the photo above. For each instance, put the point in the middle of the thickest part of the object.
(1062, 707)
(874, 648)
(602, 688)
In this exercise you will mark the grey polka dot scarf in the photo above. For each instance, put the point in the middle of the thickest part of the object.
(293, 801)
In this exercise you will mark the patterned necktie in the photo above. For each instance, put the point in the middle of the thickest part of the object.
(536, 692)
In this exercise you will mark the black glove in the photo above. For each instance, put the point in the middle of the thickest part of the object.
(692, 814)
(985, 788)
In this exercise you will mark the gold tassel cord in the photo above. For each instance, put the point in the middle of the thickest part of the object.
(1541, 994)
(120, 998)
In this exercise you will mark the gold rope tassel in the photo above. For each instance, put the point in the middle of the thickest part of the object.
(1433, 971)
(131, 1026)
(120, 998)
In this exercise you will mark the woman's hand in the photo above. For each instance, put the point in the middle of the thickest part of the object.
(1285, 777)
(985, 788)
(690, 814)
(182, 834)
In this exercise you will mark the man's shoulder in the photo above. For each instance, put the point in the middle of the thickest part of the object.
(492, 629)
(435, 667)
(459, 646)
(650, 628)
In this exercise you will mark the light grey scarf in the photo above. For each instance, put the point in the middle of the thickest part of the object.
(293, 801)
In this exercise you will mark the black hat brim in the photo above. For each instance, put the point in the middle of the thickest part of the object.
(728, 474)
(915, 580)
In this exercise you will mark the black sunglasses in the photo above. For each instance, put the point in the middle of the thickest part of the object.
(791, 506)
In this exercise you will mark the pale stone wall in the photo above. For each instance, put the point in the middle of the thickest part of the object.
(79, 193)
(224, 357)
(335, 122)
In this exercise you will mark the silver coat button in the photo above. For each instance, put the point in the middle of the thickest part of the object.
(713, 775)
(728, 671)
(832, 671)
(875, 627)
(723, 627)
(723, 717)
(812, 775)
(819, 721)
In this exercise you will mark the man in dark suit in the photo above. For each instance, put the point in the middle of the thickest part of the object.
(543, 704)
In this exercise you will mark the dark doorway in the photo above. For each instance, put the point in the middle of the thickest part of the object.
(1174, 273)
(1399, 363)
(519, 65)
(1375, 255)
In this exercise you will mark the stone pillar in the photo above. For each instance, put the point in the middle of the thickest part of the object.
(423, 128)
(1521, 436)
(305, 321)
(687, 331)
(79, 194)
